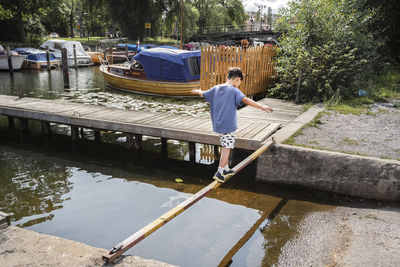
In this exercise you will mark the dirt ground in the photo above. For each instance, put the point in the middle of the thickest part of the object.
(20, 247)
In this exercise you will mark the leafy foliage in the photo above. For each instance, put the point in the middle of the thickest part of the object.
(325, 48)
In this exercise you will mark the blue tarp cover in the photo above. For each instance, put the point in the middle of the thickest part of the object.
(170, 64)
(34, 54)
(132, 47)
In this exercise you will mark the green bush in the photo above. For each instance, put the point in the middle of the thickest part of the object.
(325, 48)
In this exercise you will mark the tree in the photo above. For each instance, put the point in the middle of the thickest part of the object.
(131, 16)
(385, 26)
(269, 16)
(325, 48)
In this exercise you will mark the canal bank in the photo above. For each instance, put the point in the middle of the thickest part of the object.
(20, 247)
(339, 153)
(352, 175)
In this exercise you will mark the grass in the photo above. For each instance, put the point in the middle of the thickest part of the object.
(350, 142)
(387, 86)
(381, 88)
(354, 106)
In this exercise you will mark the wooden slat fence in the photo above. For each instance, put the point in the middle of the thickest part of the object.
(255, 62)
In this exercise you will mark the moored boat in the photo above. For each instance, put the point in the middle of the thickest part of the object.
(96, 56)
(16, 59)
(157, 71)
(55, 46)
(36, 59)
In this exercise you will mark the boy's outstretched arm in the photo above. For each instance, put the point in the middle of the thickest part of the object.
(198, 92)
(252, 103)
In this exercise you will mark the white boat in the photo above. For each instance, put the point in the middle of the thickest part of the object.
(16, 60)
(55, 46)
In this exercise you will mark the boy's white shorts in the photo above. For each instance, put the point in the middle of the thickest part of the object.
(228, 140)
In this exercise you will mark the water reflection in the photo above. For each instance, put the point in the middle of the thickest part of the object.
(101, 205)
(29, 187)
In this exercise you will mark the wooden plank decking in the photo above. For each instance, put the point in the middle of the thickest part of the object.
(254, 125)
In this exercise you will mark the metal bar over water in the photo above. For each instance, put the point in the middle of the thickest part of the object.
(116, 251)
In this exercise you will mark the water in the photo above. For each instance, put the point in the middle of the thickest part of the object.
(100, 194)
(88, 87)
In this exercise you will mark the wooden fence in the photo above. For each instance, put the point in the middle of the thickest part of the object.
(255, 62)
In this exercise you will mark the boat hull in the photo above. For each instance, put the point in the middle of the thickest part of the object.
(37, 65)
(16, 60)
(152, 87)
(96, 57)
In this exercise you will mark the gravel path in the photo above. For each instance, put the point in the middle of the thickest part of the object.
(346, 236)
(375, 134)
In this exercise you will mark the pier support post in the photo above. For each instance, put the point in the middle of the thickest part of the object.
(10, 66)
(129, 141)
(46, 130)
(75, 61)
(48, 58)
(216, 152)
(11, 123)
(164, 147)
(192, 152)
(23, 125)
(20, 92)
(126, 52)
(110, 55)
(64, 65)
(74, 133)
(97, 136)
(138, 141)
(82, 133)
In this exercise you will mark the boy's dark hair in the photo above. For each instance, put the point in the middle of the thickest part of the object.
(235, 72)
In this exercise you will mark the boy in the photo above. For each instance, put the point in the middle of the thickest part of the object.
(224, 100)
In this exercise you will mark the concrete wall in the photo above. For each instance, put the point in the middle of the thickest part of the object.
(352, 175)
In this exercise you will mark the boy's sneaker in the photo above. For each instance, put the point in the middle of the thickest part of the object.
(219, 177)
(227, 174)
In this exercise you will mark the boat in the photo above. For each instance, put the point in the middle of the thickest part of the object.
(95, 56)
(157, 71)
(16, 60)
(36, 59)
(55, 46)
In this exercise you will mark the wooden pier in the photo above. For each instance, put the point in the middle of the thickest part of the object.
(255, 125)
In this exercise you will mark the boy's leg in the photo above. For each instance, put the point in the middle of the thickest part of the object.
(223, 161)
(227, 143)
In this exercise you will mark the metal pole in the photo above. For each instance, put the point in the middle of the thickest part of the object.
(64, 65)
(116, 251)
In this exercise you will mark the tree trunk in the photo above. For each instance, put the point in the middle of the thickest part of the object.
(71, 19)
(20, 26)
